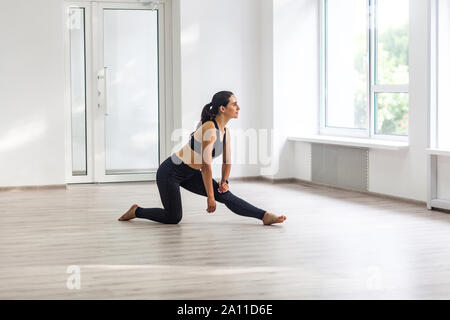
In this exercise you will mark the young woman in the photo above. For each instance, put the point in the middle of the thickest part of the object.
(190, 168)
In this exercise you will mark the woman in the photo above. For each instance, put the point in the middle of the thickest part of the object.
(190, 168)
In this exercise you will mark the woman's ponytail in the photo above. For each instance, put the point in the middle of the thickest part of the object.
(207, 113)
(211, 109)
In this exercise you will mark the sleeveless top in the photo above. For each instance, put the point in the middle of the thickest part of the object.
(217, 147)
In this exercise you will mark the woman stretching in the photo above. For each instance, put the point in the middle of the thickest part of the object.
(190, 168)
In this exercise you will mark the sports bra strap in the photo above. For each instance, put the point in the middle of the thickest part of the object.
(215, 123)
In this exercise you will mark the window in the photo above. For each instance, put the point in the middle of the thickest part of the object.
(365, 68)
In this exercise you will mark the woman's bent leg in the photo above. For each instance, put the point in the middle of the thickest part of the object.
(169, 191)
(234, 203)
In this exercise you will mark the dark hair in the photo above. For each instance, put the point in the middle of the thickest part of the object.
(210, 110)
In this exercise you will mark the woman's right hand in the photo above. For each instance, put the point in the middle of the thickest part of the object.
(211, 205)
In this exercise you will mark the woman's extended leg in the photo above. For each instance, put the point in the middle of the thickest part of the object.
(234, 203)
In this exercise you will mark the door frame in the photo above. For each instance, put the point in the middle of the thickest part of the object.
(99, 131)
(95, 159)
(70, 178)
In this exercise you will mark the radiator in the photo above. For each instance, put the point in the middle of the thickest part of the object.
(345, 167)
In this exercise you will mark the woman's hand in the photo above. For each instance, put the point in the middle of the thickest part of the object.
(223, 187)
(211, 205)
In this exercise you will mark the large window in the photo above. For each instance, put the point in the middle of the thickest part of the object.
(365, 68)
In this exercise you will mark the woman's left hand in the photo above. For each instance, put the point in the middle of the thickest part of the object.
(223, 187)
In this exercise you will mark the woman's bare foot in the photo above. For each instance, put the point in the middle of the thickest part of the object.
(130, 214)
(270, 218)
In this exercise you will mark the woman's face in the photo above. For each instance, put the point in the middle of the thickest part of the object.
(232, 109)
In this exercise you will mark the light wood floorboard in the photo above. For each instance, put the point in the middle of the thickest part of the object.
(335, 244)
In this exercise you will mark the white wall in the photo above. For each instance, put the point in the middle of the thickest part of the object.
(266, 54)
(31, 93)
(220, 50)
(296, 82)
(403, 174)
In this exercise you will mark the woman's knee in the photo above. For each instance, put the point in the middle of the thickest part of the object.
(174, 218)
(223, 197)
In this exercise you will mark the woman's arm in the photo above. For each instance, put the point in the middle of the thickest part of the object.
(208, 138)
(226, 158)
(207, 180)
(226, 168)
(226, 165)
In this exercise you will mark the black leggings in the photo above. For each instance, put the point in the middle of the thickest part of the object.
(174, 173)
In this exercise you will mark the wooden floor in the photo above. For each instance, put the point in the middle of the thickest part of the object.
(334, 245)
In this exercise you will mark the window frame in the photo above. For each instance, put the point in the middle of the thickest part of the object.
(372, 87)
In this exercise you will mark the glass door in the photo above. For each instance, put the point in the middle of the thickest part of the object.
(127, 122)
(116, 119)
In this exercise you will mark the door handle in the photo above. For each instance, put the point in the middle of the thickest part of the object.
(105, 72)
(103, 75)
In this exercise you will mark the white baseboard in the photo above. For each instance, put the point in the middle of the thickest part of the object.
(43, 187)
